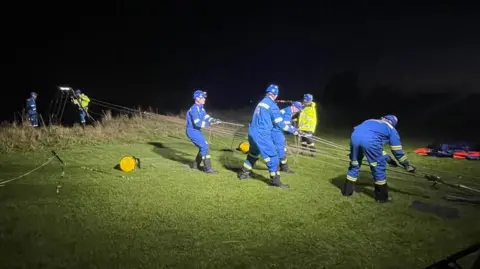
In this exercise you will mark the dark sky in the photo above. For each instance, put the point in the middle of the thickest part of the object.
(128, 53)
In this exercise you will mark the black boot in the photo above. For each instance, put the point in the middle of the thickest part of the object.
(197, 164)
(392, 162)
(348, 188)
(381, 193)
(208, 166)
(243, 174)
(83, 125)
(276, 182)
(284, 168)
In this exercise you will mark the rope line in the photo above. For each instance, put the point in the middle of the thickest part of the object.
(336, 150)
(28, 173)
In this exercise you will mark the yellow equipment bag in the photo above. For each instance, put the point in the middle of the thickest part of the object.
(244, 147)
(128, 163)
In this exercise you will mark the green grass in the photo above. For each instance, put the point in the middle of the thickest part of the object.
(165, 215)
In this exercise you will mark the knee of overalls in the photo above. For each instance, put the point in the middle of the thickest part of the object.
(279, 141)
(253, 149)
(199, 140)
(266, 147)
(272, 164)
(377, 162)
(379, 174)
(252, 155)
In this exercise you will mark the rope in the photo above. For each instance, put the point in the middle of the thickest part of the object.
(224, 132)
(28, 173)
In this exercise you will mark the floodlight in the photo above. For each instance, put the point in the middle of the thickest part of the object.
(65, 88)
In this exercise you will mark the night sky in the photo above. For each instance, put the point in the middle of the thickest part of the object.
(131, 54)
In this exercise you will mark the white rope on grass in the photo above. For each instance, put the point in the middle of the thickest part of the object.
(28, 173)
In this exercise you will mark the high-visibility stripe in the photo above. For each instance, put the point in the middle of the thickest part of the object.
(287, 122)
(264, 105)
(277, 120)
(387, 123)
(285, 128)
(246, 165)
(206, 117)
(208, 156)
(384, 153)
(283, 161)
(396, 147)
(354, 162)
(196, 120)
(349, 177)
(374, 164)
(203, 124)
(267, 159)
(381, 182)
(273, 173)
(404, 158)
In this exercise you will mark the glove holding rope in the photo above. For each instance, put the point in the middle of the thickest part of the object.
(216, 121)
(299, 133)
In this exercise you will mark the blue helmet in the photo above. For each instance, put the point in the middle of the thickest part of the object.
(272, 89)
(33, 94)
(78, 91)
(308, 97)
(298, 105)
(199, 94)
(391, 119)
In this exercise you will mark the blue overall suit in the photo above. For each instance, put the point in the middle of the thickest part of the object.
(266, 116)
(32, 111)
(278, 136)
(367, 140)
(197, 118)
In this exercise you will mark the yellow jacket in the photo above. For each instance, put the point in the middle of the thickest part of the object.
(84, 100)
(307, 121)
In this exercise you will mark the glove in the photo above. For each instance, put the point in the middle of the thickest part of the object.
(216, 121)
(410, 168)
(298, 133)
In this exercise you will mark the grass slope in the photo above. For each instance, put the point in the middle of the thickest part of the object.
(166, 215)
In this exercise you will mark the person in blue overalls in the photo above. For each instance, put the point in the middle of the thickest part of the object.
(197, 119)
(32, 109)
(368, 139)
(266, 116)
(279, 137)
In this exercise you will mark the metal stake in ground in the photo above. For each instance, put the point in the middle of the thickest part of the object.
(63, 164)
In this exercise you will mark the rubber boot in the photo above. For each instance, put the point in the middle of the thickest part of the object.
(244, 174)
(284, 168)
(381, 193)
(83, 125)
(197, 164)
(208, 166)
(312, 150)
(348, 188)
(304, 148)
(276, 182)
